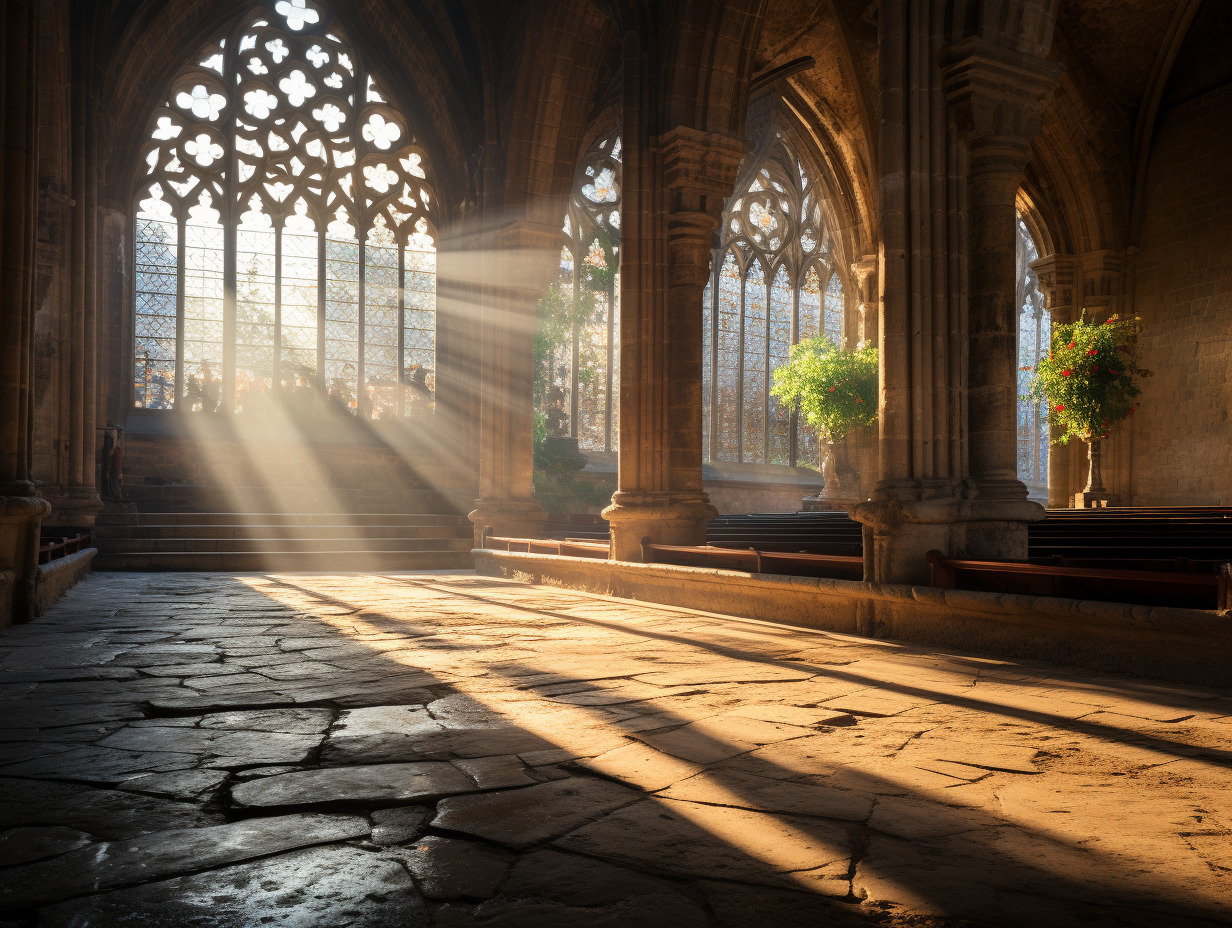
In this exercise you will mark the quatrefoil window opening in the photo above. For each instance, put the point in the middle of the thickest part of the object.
(774, 280)
(285, 232)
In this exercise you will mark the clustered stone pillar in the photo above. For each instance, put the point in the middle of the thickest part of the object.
(516, 262)
(999, 96)
(954, 142)
(673, 187)
(21, 511)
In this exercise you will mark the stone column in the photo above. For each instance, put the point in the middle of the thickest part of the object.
(1057, 275)
(998, 95)
(516, 263)
(865, 273)
(21, 511)
(674, 184)
(862, 448)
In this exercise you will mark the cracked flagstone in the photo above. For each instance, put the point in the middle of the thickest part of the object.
(482, 752)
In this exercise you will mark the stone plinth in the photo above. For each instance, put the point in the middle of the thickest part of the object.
(665, 518)
(510, 518)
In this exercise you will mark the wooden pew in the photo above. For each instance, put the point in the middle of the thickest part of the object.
(566, 548)
(1142, 587)
(757, 561)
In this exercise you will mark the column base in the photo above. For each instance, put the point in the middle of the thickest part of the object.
(664, 518)
(1094, 499)
(511, 518)
(20, 520)
(905, 526)
(72, 507)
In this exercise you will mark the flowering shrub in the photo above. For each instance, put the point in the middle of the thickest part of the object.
(836, 390)
(1089, 376)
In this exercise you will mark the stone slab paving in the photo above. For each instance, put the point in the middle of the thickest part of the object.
(224, 751)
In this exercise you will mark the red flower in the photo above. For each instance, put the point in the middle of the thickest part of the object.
(1131, 409)
(1092, 351)
(1096, 368)
(1106, 434)
(1110, 371)
(858, 400)
(1062, 409)
(1071, 344)
(1065, 373)
(831, 389)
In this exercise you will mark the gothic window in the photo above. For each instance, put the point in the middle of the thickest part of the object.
(285, 232)
(1034, 334)
(775, 280)
(584, 378)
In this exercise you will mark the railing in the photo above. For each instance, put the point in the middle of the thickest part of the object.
(51, 550)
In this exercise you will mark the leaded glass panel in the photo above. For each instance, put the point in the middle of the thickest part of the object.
(775, 219)
(581, 385)
(284, 195)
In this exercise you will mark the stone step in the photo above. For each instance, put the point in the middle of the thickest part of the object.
(341, 560)
(203, 497)
(306, 517)
(104, 533)
(285, 545)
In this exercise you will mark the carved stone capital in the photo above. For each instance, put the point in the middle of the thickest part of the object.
(1057, 276)
(699, 171)
(998, 93)
(1101, 279)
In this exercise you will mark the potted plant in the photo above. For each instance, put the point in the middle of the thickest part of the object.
(1089, 380)
(835, 390)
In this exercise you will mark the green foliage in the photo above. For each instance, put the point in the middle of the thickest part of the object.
(555, 317)
(1090, 376)
(836, 390)
(560, 485)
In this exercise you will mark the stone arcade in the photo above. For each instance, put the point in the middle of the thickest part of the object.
(270, 278)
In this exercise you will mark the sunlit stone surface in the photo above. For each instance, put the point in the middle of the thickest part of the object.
(416, 749)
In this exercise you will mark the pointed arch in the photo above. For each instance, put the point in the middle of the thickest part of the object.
(778, 275)
(304, 231)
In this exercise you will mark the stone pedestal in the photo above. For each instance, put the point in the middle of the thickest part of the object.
(21, 518)
(900, 531)
(664, 518)
(509, 518)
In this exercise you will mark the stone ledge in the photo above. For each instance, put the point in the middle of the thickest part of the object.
(55, 579)
(1180, 645)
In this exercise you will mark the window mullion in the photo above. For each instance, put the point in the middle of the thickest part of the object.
(744, 280)
(400, 390)
(321, 233)
(181, 252)
(575, 348)
(793, 444)
(611, 332)
(765, 395)
(716, 266)
(276, 381)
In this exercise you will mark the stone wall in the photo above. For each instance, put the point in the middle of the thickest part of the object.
(1182, 439)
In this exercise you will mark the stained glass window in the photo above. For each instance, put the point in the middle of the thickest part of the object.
(776, 278)
(285, 232)
(1034, 333)
(583, 376)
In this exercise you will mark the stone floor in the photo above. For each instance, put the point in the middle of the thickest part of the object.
(446, 749)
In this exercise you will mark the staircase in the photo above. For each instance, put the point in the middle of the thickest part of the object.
(235, 541)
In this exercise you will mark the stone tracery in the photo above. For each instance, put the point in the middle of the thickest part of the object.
(776, 278)
(279, 173)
